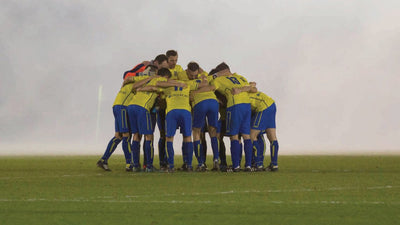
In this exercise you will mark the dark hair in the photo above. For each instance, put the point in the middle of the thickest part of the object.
(222, 66)
(153, 68)
(164, 72)
(213, 71)
(161, 58)
(193, 66)
(171, 53)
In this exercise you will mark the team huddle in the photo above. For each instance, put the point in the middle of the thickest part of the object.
(220, 102)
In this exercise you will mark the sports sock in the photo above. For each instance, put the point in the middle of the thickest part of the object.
(240, 153)
(235, 153)
(261, 146)
(149, 152)
(170, 154)
(135, 153)
(189, 151)
(112, 145)
(274, 148)
(161, 152)
(222, 153)
(248, 152)
(197, 150)
(203, 153)
(126, 147)
(215, 147)
(184, 153)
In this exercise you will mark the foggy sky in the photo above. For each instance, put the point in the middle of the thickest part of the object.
(331, 66)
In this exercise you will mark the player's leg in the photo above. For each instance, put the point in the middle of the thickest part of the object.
(245, 119)
(112, 145)
(162, 140)
(199, 117)
(186, 127)
(170, 125)
(222, 150)
(232, 129)
(212, 118)
(146, 128)
(271, 135)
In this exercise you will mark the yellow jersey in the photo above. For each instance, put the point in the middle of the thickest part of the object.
(183, 75)
(125, 94)
(146, 99)
(260, 101)
(178, 97)
(175, 71)
(199, 97)
(225, 84)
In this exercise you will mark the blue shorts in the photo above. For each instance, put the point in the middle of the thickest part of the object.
(207, 108)
(121, 119)
(238, 119)
(264, 119)
(140, 120)
(181, 118)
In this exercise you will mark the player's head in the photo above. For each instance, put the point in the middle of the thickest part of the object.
(222, 66)
(192, 70)
(164, 72)
(161, 61)
(172, 56)
(152, 69)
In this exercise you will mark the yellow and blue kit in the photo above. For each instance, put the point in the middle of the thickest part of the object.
(175, 71)
(178, 113)
(263, 111)
(238, 115)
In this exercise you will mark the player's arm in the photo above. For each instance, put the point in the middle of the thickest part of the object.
(170, 83)
(149, 88)
(239, 90)
(142, 82)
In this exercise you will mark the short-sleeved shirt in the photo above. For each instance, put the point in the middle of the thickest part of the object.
(175, 71)
(125, 94)
(178, 97)
(146, 99)
(260, 101)
(225, 84)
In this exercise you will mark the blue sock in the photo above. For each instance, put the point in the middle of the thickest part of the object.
(112, 145)
(184, 153)
(235, 153)
(189, 150)
(248, 152)
(274, 148)
(215, 147)
(262, 146)
(197, 150)
(240, 153)
(136, 153)
(257, 154)
(126, 147)
(149, 152)
(170, 154)
(161, 152)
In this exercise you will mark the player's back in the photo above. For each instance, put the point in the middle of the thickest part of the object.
(199, 97)
(260, 101)
(178, 97)
(175, 71)
(225, 84)
(146, 99)
(124, 95)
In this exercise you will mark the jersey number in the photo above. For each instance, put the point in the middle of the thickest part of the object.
(234, 80)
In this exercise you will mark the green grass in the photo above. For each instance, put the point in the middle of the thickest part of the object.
(306, 190)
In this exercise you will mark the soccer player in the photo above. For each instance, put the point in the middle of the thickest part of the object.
(141, 121)
(172, 56)
(205, 105)
(238, 114)
(122, 131)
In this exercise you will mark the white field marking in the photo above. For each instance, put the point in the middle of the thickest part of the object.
(58, 176)
(265, 191)
(203, 202)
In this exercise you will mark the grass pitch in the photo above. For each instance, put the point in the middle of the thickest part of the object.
(306, 190)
